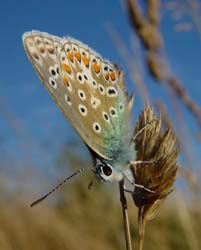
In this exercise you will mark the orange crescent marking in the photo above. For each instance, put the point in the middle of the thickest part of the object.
(112, 76)
(78, 56)
(65, 79)
(96, 67)
(70, 56)
(86, 61)
(107, 76)
(67, 68)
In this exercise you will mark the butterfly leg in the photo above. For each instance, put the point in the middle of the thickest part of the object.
(142, 162)
(139, 186)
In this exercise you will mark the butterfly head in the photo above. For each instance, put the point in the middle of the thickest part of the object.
(106, 172)
(114, 169)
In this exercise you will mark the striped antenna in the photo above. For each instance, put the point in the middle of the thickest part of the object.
(57, 187)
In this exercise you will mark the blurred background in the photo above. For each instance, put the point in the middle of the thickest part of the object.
(158, 44)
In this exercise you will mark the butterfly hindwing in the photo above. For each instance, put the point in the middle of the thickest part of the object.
(89, 90)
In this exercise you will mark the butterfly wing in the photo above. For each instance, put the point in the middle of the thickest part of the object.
(90, 91)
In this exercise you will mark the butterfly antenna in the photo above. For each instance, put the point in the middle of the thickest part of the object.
(57, 187)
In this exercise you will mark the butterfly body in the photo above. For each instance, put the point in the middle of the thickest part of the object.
(91, 93)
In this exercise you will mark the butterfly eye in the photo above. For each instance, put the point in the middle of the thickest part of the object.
(104, 171)
(107, 170)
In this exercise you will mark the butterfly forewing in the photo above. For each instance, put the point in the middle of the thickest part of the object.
(87, 89)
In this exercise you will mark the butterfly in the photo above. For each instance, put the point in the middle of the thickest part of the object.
(91, 93)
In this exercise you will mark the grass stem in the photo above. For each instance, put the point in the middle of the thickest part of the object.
(125, 215)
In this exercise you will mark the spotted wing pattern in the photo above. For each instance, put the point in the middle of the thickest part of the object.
(89, 90)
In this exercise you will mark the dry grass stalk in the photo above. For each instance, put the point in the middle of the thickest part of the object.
(185, 172)
(160, 148)
(125, 216)
(133, 63)
(146, 26)
(180, 9)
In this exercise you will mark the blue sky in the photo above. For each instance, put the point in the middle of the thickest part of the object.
(23, 99)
